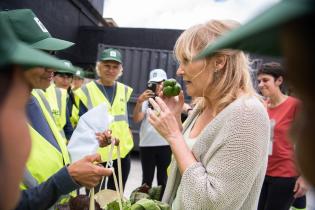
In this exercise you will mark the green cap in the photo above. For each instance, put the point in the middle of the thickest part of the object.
(13, 51)
(89, 74)
(79, 73)
(261, 35)
(29, 29)
(69, 64)
(111, 55)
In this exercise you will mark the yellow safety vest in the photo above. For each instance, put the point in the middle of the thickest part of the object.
(91, 96)
(57, 99)
(44, 160)
(74, 119)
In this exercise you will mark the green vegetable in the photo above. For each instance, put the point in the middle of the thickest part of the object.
(147, 204)
(155, 193)
(136, 196)
(163, 206)
(137, 207)
(170, 82)
(171, 87)
(115, 205)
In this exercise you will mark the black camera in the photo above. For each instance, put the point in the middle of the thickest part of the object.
(152, 86)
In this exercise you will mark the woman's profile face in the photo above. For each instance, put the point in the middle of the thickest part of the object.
(267, 85)
(196, 77)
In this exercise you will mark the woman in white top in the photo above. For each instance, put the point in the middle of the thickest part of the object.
(220, 152)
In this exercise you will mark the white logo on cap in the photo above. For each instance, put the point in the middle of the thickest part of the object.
(67, 64)
(78, 73)
(112, 53)
(40, 25)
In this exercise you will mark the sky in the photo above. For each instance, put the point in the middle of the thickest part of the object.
(180, 14)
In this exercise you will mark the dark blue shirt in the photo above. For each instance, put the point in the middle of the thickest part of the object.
(68, 129)
(108, 91)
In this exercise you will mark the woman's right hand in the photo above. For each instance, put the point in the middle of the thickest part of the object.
(175, 104)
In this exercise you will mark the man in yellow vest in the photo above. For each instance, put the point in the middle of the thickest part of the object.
(58, 97)
(48, 174)
(116, 96)
(17, 63)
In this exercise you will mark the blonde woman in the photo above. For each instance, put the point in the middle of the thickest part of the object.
(220, 153)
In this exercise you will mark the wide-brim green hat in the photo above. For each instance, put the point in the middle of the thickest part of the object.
(13, 51)
(261, 35)
(29, 29)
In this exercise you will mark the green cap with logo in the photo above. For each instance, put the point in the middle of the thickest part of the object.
(111, 54)
(69, 64)
(29, 29)
(13, 51)
(79, 73)
(261, 35)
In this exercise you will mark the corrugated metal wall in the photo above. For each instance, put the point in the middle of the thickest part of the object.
(137, 63)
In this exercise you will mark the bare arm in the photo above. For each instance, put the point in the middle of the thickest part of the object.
(138, 115)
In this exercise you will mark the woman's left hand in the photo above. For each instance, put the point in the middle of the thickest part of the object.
(163, 120)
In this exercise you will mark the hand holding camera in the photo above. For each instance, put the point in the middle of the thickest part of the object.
(148, 93)
(152, 86)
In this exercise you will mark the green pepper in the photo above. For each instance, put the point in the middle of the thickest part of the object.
(169, 82)
(171, 88)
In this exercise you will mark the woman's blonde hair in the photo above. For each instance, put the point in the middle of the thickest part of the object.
(227, 82)
(97, 69)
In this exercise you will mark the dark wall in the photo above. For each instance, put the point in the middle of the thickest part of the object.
(62, 18)
(90, 37)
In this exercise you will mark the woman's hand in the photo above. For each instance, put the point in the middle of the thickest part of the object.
(163, 120)
(175, 104)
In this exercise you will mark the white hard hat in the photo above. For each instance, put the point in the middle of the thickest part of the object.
(157, 75)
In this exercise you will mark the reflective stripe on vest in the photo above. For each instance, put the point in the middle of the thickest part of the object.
(57, 99)
(28, 180)
(89, 101)
(91, 96)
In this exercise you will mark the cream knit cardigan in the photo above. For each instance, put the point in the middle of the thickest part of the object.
(231, 154)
